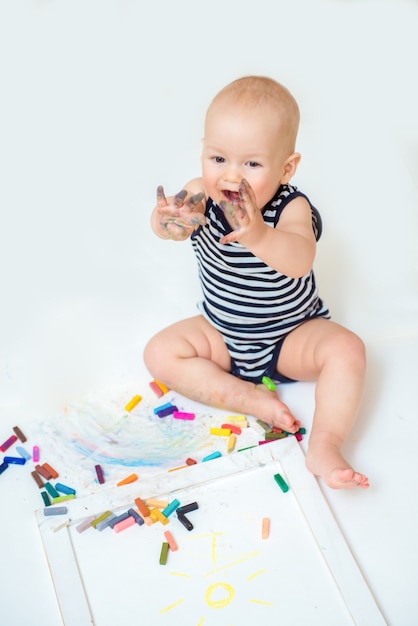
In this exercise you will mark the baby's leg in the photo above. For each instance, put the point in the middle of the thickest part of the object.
(191, 358)
(333, 356)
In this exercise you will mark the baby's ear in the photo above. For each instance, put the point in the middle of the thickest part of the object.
(290, 167)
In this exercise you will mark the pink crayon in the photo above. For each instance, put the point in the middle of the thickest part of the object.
(181, 415)
(35, 454)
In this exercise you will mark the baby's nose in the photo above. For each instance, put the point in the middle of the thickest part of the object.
(232, 175)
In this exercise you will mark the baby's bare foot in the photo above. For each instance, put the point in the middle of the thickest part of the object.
(326, 461)
(271, 410)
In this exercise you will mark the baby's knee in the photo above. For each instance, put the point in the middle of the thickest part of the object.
(352, 348)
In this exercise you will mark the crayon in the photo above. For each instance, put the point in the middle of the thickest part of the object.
(164, 553)
(19, 434)
(192, 506)
(171, 541)
(35, 454)
(55, 510)
(85, 524)
(64, 489)
(37, 479)
(23, 453)
(171, 507)
(123, 524)
(132, 403)
(267, 382)
(161, 385)
(3, 467)
(209, 457)
(185, 521)
(231, 443)
(43, 471)
(138, 519)
(48, 468)
(236, 430)
(14, 460)
(51, 490)
(220, 432)
(45, 498)
(99, 474)
(156, 389)
(142, 507)
(9, 442)
(281, 482)
(182, 415)
(265, 528)
(129, 479)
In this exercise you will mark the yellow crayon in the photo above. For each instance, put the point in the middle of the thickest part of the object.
(132, 403)
(163, 387)
(221, 432)
(239, 420)
(231, 443)
(156, 515)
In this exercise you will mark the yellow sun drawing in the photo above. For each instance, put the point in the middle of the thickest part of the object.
(219, 594)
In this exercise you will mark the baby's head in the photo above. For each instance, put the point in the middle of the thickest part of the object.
(250, 132)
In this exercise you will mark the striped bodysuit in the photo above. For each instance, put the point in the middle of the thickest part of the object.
(253, 306)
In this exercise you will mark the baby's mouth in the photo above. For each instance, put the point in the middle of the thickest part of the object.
(231, 196)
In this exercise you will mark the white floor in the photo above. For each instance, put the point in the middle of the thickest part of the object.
(102, 101)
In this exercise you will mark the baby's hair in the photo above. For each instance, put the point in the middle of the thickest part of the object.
(258, 91)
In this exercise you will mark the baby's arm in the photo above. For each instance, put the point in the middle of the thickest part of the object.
(176, 217)
(289, 248)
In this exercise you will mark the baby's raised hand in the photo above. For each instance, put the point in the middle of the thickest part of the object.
(245, 215)
(178, 215)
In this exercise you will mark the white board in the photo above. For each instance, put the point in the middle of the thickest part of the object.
(223, 571)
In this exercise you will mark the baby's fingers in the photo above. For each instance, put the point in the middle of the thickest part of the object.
(180, 197)
(247, 196)
(161, 199)
(195, 200)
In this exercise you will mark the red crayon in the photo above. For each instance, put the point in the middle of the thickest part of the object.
(4, 446)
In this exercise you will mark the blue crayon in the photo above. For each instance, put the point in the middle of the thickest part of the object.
(105, 522)
(64, 489)
(14, 460)
(169, 410)
(138, 519)
(23, 453)
(209, 457)
(171, 507)
(56, 510)
(119, 518)
(3, 467)
(162, 407)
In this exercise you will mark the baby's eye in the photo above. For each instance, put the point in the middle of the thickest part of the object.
(218, 159)
(253, 164)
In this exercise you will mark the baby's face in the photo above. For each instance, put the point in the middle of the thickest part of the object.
(242, 143)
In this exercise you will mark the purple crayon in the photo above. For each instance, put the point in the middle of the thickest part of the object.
(99, 473)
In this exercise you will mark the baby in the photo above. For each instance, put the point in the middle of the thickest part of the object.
(254, 235)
